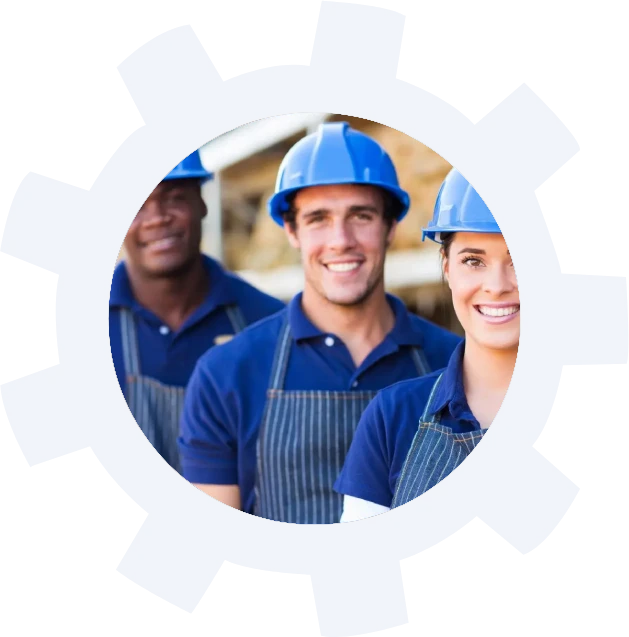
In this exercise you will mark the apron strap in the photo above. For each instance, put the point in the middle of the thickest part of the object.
(435, 417)
(130, 348)
(401, 485)
(420, 360)
(236, 317)
(282, 354)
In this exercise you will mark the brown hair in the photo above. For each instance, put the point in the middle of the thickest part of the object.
(446, 241)
(392, 208)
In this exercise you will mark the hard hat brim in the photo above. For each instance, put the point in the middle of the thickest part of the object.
(433, 233)
(277, 205)
(191, 174)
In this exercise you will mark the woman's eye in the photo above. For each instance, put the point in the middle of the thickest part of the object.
(473, 262)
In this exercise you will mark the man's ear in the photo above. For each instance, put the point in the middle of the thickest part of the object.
(291, 235)
(391, 233)
(201, 202)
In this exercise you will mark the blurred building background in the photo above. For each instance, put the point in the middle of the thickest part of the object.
(240, 233)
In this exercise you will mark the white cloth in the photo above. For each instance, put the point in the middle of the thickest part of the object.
(357, 509)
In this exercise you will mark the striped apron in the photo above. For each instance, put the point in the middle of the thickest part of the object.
(155, 406)
(303, 440)
(435, 453)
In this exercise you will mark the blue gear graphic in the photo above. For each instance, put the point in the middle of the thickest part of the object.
(187, 536)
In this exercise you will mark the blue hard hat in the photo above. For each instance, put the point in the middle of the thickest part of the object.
(335, 154)
(190, 168)
(459, 208)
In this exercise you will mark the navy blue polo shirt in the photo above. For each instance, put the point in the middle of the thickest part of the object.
(388, 425)
(168, 356)
(227, 393)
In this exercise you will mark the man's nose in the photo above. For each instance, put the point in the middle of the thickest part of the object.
(341, 235)
(154, 213)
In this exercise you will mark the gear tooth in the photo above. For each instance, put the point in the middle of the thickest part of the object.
(173, 558)
(595, 311)
(40, 210)
(37, 407)
(526, 140)
(359, 597)
(128, 179)
(179, 549)
(525, 409)
(339, 45)
(450, 133)
(527, 501)
(176, 60)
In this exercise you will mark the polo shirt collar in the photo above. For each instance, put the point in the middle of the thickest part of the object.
(300, 325)
(404, 332)
(121, 293)
(450, 393)
(221, 291)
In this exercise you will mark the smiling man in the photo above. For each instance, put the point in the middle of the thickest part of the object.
(169, 304)
(269, 417)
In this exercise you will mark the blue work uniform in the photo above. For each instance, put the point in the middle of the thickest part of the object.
(411, 437)
(275, 409)
(154, 364)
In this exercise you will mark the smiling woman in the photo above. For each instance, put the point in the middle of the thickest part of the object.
(418, 431)
(474, 265)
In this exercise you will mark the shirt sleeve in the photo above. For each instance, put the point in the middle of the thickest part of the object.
(208, 441)
(356, 509)
(365, 474)
(115, 341)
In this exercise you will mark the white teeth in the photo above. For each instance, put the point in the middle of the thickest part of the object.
(342, 267)
(498, 311)
(162, 243)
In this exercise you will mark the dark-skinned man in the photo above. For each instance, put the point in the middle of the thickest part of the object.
(169, 304)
